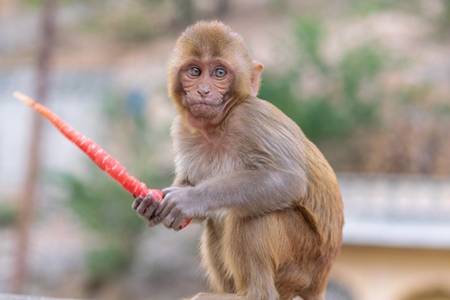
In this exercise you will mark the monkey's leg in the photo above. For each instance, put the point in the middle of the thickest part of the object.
(211, 250)
(250, 256)
(293, 281)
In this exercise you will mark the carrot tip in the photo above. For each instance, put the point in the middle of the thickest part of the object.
(27, 100)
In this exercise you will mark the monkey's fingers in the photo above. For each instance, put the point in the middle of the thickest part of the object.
(143, 205)
(169, 221)
(164, 213)
(149, 212)
(177, 224)
(153, 221)
(136, 202)
(164, 209)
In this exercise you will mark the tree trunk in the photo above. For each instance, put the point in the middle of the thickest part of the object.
(28, 198)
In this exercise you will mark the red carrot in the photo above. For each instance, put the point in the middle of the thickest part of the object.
(101, 158)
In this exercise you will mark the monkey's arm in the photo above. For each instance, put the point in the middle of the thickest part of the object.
(246, 193)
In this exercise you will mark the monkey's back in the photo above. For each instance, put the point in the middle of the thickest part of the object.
(321, 206)
(314, 227)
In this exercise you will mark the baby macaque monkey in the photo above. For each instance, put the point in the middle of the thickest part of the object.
(270, 201)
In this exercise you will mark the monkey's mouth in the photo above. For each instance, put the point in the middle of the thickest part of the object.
(204, 104)
(204, 109)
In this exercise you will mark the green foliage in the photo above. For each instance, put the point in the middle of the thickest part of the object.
(104, 208)
(443, 21)
(105, 263)
(310, 32)
(134, 26)
(368, 7)
(8, 215)
(101, 204)
(318, 118)
(358, 66)
(39, 3)
(136, 22)
(442, 110)
(348, 95)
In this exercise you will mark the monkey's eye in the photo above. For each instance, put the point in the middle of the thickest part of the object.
(219, 73)
(194, 71)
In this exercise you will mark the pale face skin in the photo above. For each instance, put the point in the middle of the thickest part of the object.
(206, 85)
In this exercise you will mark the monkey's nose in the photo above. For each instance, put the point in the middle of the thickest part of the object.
(203, 92)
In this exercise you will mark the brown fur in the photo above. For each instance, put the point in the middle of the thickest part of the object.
(270, 200)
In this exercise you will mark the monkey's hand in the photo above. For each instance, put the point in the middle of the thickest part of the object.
(145, 207)
(178, 204)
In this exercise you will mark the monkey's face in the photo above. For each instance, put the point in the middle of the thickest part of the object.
(206, 85)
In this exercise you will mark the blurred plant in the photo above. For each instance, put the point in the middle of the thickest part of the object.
(344, 95)
(105, 263)
(361, 122)
(443, 20)
(102, 205)
(127, 22)
(370, 6)
(8, 215)
(140, 21)
(414, 136)
(133, 26)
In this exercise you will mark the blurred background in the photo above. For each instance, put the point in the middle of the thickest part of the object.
(368, 81)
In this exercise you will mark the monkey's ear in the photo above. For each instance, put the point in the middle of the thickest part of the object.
(256, 78)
